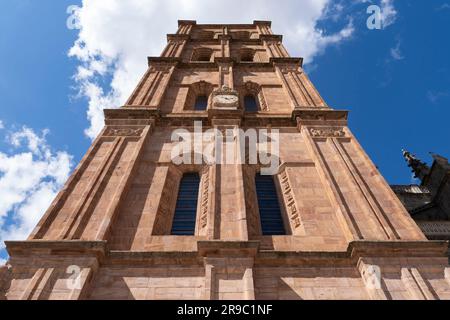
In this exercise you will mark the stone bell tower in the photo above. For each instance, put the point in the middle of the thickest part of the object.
(132, 224)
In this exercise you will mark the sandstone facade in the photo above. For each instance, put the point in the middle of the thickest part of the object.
(110, 225)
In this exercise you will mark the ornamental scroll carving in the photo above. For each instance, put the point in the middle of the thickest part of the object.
(291, 205)
(205, 199)
(123, 132)
(327, 132)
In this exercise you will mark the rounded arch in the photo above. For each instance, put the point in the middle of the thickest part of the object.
(254, 89)
(198, 89)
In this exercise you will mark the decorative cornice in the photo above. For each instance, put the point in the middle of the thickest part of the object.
(186, 22)
(388, 251)
(263, 23)
(286, 60)
(127, 113)
(315, 116)
(178, 37)
(271, 37)
(163, 60)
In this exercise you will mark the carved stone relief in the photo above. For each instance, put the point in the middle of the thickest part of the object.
(123, 132)
(291, 206)
(327, 132)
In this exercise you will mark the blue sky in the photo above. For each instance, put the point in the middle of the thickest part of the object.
(395, 81)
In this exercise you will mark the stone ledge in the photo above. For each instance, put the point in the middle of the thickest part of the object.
(217, 248)
(186, 22)
(271, 37)
(355, 251)
(61, 248)
(417, 249)
(263, 23)
(176, 37)
(287, 60)
(135, 112)
(317, 115)
(159, 60)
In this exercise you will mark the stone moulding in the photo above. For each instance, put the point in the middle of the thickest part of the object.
(132, 113)
(163, 60)
(327, 132)
(66, 247)
(140, 115)
(355, 250)
(317, 116)
(124, 131)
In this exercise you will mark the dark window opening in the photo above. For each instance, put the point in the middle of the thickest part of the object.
(269, 206)
(201, 103)
(202, 55)
(250, 103)
(186, 210)
(247, 56)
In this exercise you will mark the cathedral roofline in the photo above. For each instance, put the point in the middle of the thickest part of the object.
(215, 25)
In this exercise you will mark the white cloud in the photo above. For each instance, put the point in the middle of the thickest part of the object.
(444, 6)
(435, 96)
(2, 126)
(116, 36)
(396, 52)
(388, 13)
(30, 178)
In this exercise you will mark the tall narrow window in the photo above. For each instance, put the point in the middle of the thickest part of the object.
(201, 103)
(269, 206)
(186, 209)
(250, 103)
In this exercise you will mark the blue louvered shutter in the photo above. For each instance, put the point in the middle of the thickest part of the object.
(186, 209)
(250, 103)
(201, 103)
(269, 206)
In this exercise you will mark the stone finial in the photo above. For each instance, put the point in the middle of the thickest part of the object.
(419, 168)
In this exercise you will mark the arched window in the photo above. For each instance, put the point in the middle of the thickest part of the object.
(198, 96)
(250, 103)
(186, 209)
(269, 206)
(252, 94)
(201, 103)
